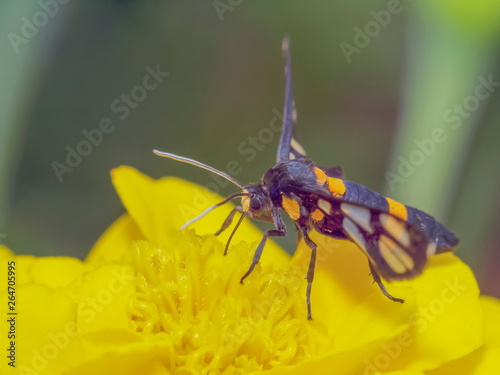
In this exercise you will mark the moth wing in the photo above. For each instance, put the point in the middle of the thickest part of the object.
(396, 248)
(336, 172)
(288, 147)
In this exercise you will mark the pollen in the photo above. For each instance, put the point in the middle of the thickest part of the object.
(189, 295)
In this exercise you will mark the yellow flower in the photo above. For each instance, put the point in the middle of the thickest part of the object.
(152, 300)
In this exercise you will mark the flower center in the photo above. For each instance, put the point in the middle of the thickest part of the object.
(189, 295)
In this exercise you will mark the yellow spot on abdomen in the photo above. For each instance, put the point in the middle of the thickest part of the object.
(336, 186)
(317, 215)
(397, 209)
(291, 207)
(322, 178)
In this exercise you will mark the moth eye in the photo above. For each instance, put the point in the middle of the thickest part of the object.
(255, 204)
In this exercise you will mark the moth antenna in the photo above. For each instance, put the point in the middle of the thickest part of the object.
(198, 164)
(213, 207)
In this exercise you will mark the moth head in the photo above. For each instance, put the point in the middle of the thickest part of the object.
(256, 200)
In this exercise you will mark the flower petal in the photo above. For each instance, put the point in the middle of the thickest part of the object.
(56, 272)
(5, 252)
(485, 360)
(53, 272)
(448, 322)
(443, 324)
(114, 244)
(124, 353)
(46, 338)
(160, 206)
(344, 296)
(353, 311)
(103, 296)
(22, 265)
(491, 311)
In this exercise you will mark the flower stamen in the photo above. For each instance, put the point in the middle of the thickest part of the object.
(188, 293)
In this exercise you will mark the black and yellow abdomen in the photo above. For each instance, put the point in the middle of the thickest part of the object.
(349, 191)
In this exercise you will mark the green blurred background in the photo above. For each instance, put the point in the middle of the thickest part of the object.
(372, 80)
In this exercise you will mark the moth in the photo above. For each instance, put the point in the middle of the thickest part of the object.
(397, 239)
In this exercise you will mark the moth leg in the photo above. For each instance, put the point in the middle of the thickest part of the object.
(229, 220)
(310, 272)
(376, 278)
(304, 230)
(233, 232)
(278, 232)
